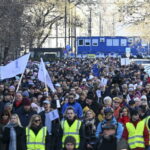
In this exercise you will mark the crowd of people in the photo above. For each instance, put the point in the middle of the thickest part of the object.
(102, 105)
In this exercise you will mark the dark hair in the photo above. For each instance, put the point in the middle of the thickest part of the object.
(121, 110)
(69, 108)
(70, 139)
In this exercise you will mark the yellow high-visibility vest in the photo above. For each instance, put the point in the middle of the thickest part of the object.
(72, 130)
(147, 119)
(36, 142)
(135, 135)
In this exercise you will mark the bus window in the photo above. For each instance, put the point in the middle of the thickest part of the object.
(123, 42)
(87, 42)
(80, 43)
(115, 42)
(109, 42)
(95, 42)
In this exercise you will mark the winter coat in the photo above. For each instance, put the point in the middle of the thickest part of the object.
(119, 129)
(124, 119)
(25, 116)
(20, 135)
(77, 107)
(54, 133)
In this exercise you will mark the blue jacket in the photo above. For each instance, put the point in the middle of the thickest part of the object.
(77, 107)
(119, 129)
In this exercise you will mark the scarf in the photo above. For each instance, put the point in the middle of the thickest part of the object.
(91, 122)
(13, 141)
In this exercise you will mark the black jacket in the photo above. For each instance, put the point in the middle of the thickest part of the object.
(25, 116)
(55, 132)
(20, 134)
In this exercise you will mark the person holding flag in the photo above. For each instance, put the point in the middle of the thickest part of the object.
(50, 119)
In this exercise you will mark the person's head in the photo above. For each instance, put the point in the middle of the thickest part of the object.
(142, 110)
(107, 101)
(14, 119)
(137, 101)
(11, 89)
(19, 96)
(125, 87)
(108, 113)
(132, 104)
(124, 111)
(1, 87)
(71, 98)
(5, 116)
(8, 106)
(89, 98)
(35, 121)
(90, 114)
(83, 96)
(134, 115)
(131, 91)
(70, 113)
(70, 143)
(116, 102)
(47, 105)
(26, 104)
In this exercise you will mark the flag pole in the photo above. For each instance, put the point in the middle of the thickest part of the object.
(19, 82)
(45, 80)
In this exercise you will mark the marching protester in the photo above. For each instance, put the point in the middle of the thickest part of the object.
(53, 126)
(71, 126)
(90, 124)
(13, 134)
(37, 136)
(136, 133)
(109, 119)
(25, 112)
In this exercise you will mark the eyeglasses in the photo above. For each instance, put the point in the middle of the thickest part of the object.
(37, 120)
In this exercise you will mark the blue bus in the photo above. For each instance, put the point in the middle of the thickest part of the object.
(111, 44)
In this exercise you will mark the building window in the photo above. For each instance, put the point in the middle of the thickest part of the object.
(95, 42)
(87, 42)
(80, 43)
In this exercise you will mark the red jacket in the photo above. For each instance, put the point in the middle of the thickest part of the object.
(146, 135)
(124, 120)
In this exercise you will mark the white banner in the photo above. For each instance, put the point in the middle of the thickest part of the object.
(44, 76)
(14, 68)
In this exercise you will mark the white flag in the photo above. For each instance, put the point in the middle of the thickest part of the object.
(15, 67)
(44, 76)
(53, 115)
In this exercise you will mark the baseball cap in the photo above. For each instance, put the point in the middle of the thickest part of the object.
(108, 110)
(46, 102)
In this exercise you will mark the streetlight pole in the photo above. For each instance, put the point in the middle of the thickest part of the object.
(90, 23)
(65, 24)
(75, 34)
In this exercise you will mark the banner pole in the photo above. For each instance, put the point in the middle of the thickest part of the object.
(19, 82)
